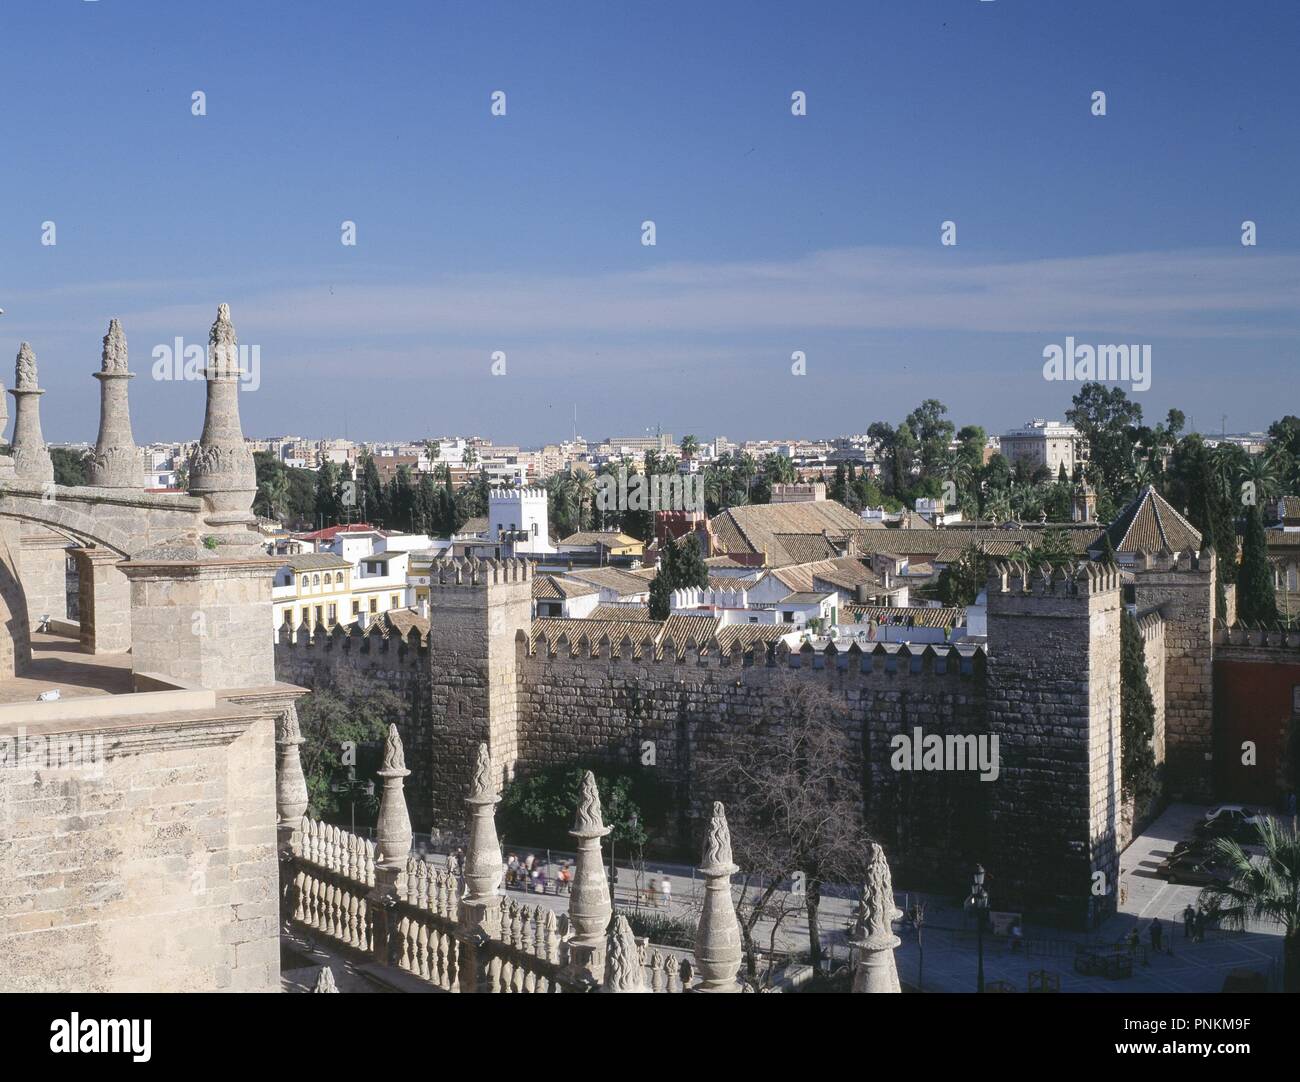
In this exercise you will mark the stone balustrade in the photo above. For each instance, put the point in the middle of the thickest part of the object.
(463, 934)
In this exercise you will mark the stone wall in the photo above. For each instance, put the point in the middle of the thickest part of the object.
(582, 705)
(1182, 591)
(156, 872)
(1054, 701)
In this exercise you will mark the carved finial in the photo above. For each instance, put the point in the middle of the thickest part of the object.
(25, 369)
(588, 818)
(287, 730)
(114, 355)
(223, 346)
(394, 757)
(325, 981)
(622, 959)
(481, 787)
(717, 843)
(875, 913)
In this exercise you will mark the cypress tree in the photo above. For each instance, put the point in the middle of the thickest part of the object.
(1256, 602)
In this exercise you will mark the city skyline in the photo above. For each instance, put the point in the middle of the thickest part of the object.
(775, 233)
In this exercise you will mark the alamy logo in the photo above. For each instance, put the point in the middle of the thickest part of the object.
(178, 361)
(951, 752)
(659, 492)
(112, 1035)
(1107, 364)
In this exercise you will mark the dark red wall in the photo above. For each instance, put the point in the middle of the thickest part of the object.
(1252, 701)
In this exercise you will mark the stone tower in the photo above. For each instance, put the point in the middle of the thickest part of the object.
(1054, 704)
(1181, 589)
(476, 608)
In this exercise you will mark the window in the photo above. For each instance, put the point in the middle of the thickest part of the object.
(356, 608)
(331, 613)
(339, 577)
(318, 619)
(374, 604)
(315, 580)
(394, 602)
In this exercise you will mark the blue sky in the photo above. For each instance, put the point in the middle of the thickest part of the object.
(775, 233)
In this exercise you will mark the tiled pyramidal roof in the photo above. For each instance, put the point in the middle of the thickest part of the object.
(1150, 524)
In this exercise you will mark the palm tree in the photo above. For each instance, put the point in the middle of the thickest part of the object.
(471, 456)
(689, 446)
(1259, 472)
(1226, 462)
(1262, 890)
(584, 494)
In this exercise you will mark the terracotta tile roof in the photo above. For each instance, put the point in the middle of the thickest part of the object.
(1150, 524)
(682, 627)
(611, 578)
(804, 548)
(907, 615)
(949, 542)
(628, 614)
(553, 627)
(750, 634)
(315, 561)
(805, 597)
(754, 528)
(555, 588)
(727, 582)
(608, 538)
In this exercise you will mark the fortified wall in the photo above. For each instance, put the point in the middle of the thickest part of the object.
(1047, 687)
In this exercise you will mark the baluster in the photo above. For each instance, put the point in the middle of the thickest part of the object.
(657, 973)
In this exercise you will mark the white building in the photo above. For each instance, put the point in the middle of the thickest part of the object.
(1052, 444)
(517, 519)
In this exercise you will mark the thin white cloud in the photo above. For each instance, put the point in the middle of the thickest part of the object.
(1217, 293)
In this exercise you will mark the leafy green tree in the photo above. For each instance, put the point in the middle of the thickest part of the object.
(1107, 420)
(961, 582)
(537, 808)
(69, 466)
(1256, 601)
(330, 718)
(1262, 890)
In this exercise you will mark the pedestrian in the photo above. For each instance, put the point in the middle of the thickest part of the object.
(665, 889)
(1157, 933)
(565, 881)
(1198, 929)
(512, 870)
(1189, 918)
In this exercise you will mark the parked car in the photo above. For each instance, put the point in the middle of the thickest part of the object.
(1231, 821)
(1196, 869)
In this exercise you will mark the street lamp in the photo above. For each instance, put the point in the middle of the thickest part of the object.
(979, 902)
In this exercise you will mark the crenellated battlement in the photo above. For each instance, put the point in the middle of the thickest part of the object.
(1048, 580)
(505, 493)
(377, 636)
(473, 572)
(1151, 626)
(656, 648)
(1185, 562)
